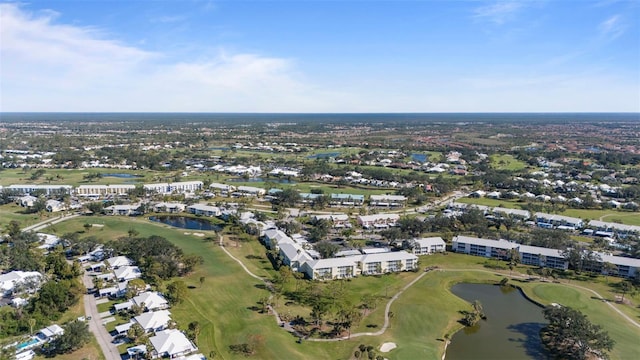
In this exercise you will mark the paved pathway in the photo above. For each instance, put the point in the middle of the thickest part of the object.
(43, 224)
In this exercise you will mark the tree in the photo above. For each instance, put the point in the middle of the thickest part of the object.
(76, 334)
(135, 332)
(570, 335)
(625, 287)
(327, 249)
(202, 279)
(177, 291)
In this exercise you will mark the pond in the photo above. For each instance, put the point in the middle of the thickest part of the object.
(259, 179)
(323, 155)
(419, 157)
(186, 222)
(511, 330)
(121, 175)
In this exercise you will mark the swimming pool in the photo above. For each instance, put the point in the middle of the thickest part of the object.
(27, 344)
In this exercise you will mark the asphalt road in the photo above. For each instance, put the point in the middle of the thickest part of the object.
(109, 350)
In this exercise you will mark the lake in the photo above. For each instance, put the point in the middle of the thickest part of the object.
(186, 222)
(511, 330)
(421, 158)
(121, 175)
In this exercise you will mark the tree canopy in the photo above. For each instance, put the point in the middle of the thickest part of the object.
(570, 335)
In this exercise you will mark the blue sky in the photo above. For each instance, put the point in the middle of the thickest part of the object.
(320, 56)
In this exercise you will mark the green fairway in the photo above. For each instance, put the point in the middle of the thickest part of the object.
(506, 162)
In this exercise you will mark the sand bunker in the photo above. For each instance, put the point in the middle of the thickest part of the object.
(198, 234)
(388, 346)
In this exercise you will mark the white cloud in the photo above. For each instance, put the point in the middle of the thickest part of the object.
(612, 27)
(52, 67)
(499, 12)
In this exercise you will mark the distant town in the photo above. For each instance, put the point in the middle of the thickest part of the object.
(230, 236)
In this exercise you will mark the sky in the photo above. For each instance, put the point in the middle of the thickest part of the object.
(320, 56)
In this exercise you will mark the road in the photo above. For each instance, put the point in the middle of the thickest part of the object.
(109, 350)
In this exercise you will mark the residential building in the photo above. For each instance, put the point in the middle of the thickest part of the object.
(205, 210)
(482, 247)
(558, 221)
(104, 190)
(542, 257)
(122, 210)
(175, 187)
(171, 343)
(337, 220)
(346, 200)
(41, 189)
(126, 273)
(387, 200)
(430, 245)
(172, 207)
(378, 221)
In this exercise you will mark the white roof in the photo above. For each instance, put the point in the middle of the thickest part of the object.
(53, 330)
(619, 260)
(387, 198)
(501, 244)
(389, 256)
(426, 242)
(334, 262)
(536, 250)
(153, 319)
(552, 217)
(117, 261)
(377, 217)
(151, 300)
(171, 342)
(523, 213)
(127, 272)
(622, 227)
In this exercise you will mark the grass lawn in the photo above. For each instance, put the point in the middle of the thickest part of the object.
(506, 162)
(90, 351)
(9, 212)
(510, 204)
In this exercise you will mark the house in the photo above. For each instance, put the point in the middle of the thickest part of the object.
(387, 200)
(204, 210)
(153, 321)
(54, 205)
(171, 343)
(515, 213)
(152, 301)
(126, 273)
(27, 201)
(118, 261)
(50, 332)
(379, 221)
(19, 281)
(430, 245)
